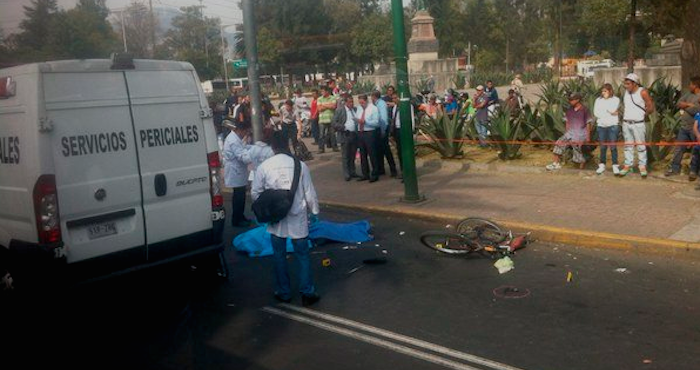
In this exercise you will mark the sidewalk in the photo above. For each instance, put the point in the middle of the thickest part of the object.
(568, 207)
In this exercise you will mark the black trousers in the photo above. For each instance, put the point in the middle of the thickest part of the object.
(396, 134)
(384, 152)
(349, 148)
(367, 142)
(327, 137)
(238, 205)
(289, 131)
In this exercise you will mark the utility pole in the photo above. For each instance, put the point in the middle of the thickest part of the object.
(407, 146)
(223, 57)
(633, 22)
(153, 30)
(206, 30)
(123, 31)
(561, 49)
(251, 51)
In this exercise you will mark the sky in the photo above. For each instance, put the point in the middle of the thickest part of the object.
(11, 11)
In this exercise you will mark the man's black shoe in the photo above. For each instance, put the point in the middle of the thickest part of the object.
(363, 179)
(308, 300)
(282, 299)
(355, 176)
(394, 174)
(375, 179)
(336, 150)
(348, 178)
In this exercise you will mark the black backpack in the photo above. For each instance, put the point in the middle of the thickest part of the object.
(273, 205)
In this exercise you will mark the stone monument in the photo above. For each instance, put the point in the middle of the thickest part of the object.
(423, 61)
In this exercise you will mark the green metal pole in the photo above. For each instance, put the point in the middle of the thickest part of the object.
(407, 145)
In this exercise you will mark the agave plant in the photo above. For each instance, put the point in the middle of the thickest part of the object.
(460, 80)
(422, 85)
(446, 134)
(665, 95)
(551, 94)
(662, 127)
(551, 125)
(507, 131)
(364, 87)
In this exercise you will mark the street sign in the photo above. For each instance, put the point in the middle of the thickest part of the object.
(240, 63)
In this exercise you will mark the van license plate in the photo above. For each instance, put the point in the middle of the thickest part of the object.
(97, 231)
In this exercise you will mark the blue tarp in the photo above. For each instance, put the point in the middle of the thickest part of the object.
(256, 242)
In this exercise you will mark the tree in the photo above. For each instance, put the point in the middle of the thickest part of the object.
(139, 29)
(372, 40)
(35, 27)
(677, 17)
(196, 39)
(82, 32)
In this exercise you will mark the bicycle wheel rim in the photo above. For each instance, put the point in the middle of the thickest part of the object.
(482, 231)
(448, 243)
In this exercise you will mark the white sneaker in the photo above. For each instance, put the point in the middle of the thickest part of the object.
(554, 166)
(601, 169)
(616, 169)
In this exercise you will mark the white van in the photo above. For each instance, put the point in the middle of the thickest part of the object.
(105, 166)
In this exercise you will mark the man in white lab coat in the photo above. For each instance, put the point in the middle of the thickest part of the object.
(236, 160)
(278, 173)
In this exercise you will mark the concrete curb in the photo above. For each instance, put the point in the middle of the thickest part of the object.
(551, 234)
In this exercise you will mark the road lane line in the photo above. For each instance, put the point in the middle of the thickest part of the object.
(402, 338)
(437, 360)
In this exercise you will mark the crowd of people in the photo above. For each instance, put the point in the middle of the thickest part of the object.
(611, 115)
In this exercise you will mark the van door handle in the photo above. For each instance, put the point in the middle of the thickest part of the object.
(161, 184)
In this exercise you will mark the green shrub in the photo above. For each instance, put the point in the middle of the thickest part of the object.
(507, 130)
(460, 80)
(446, 134)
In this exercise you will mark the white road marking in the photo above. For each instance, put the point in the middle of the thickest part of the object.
(403, 338)
(373, 340)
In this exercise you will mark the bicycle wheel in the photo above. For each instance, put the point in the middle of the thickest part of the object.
(482, 231)
(445, 242)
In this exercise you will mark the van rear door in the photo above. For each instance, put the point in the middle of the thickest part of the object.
(172, 154)
(96, 166)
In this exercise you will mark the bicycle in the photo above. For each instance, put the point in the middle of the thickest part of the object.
(475, 235)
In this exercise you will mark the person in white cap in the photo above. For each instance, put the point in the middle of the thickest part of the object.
(638, 104)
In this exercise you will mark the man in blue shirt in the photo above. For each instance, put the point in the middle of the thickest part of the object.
(491, 92)
(696, 148)
(383, 148)
(368, 127)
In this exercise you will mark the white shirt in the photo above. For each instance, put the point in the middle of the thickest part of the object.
(277, 173)
(602, 111)
(635, 106)
(236, 161)
(350, 124)
(371, 117)
(396, 116)
(259, 153)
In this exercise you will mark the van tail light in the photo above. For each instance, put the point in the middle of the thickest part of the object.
(217, 198)
(48, 222)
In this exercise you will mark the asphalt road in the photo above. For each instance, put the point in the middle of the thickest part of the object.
(421, 310)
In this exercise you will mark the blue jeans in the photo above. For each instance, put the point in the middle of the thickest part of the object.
(301, 252)
(482, 130)
(685, 135)
(607, 137)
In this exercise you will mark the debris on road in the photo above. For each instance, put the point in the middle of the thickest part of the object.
(356, 269)
(569, 277)
(622, 270)
(402, 233)
(326, 262)
(511, 292)
(647, 361)
(504, 265)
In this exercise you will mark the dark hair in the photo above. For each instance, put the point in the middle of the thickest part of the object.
(315, 91)
(695, 80)
(362, 97)
(348, 97)
(487, 81)
(279, 143)
(289, 102)
(298, 91)
(268, 132)
(391, 87)
(376, 94)
(609, 87)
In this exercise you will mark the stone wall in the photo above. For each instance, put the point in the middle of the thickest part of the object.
(646, 74)
(442, 70)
